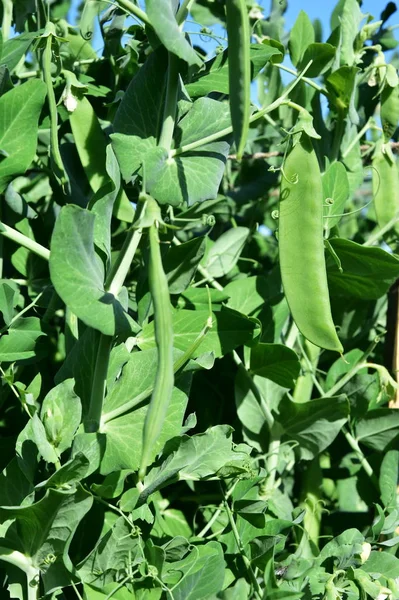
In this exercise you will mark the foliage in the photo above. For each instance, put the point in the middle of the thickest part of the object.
(232, 459)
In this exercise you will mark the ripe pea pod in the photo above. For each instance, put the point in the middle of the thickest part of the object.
(239, 37)
(389, 110)
(385, 184)
(301, 247)
(164, 378)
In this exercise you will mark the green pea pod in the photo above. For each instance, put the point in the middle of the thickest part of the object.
(239, 36)
(164, 379)
(389, 111)
(301, 247)
(385, 185)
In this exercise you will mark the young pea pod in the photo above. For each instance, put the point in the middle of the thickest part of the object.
(389, 111)
(301, 247)
(164, 378)
(385, 184)
(239, 35)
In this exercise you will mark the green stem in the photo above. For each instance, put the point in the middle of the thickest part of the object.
(7, 19)
(310, 500)
(227, 130)
(71, 330)
(17, 559)
(135, 11)
(353, 443)
(99, 383)
(272, 457)
(338, 134)
(23, 240)
(55, 150)
(240, 546)
(310, 82)
(169, 115)
(183, 11)
(356, 139)
(379, 232)
(120, 268)
(304, 384)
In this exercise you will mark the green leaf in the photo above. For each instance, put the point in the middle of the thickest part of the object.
(197, 457)
(71, 473)
(382, 563)
(112, 486)
(346, 549)
(181, 263)
(9, 294)
(61, 414)
(20, 110)
(20, 342)
(378, 428)
(335, 188)
(301, 36)
(93, 593)
(275, 362)
(341, 86)
(214, 77)
(388, 478)
(251, 293)
(162, 17)
(367, 273)
(119, 452)
(15, 48)
(322, 56)
(315, 424)
(229, 330)
(225, 252)
(348, 15)
(202, 573)
(78, 274)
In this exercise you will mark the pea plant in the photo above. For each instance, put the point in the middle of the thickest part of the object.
(199, 344)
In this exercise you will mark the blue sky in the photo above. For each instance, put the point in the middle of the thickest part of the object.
(322, 10)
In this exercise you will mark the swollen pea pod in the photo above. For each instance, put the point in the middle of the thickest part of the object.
(164, 378)
(301, 248)
(389, 111)
(385, 184)
(239, 36)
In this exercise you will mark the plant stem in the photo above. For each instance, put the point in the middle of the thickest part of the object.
(92, 422)
(306, 381)
(7, 19)
(355, 140)
(240, 546)
(169, 115)
(272, 457)
(183, 11)
(71, 330)
(135, 11)
(353, 443)
(120, 268)
(338, 133)
(310, 82)
(55, 150)
(23, 240)
(223, 132)
(379, 232)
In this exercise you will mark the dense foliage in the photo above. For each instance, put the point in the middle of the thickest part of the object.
(198, 308)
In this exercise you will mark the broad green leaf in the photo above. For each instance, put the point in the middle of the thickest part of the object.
(61, 414)
(198, 298)
(19, 115)
(20, 341)
(119, 452)
(322, 56)
(229, 330)
(197, 457)
(162, 17)
(203, 573)
(335, 189)
(181, 263)
(192, 176)
(45, 526)
(8, 299)
(388, 478)
(78, 274)
(239, 591)
(346, 548)
(275, 362)
(225, 252)
(15, 48)
(382, 563)
(301, 36)
(314, 425)
(71, 473)
(36, 432)
(214, 76)
(251, 293)
(14, 486)
(378, 428)
(348, 15)
(341, 87)
(93, 593)
(112, 486)
(367, 273)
